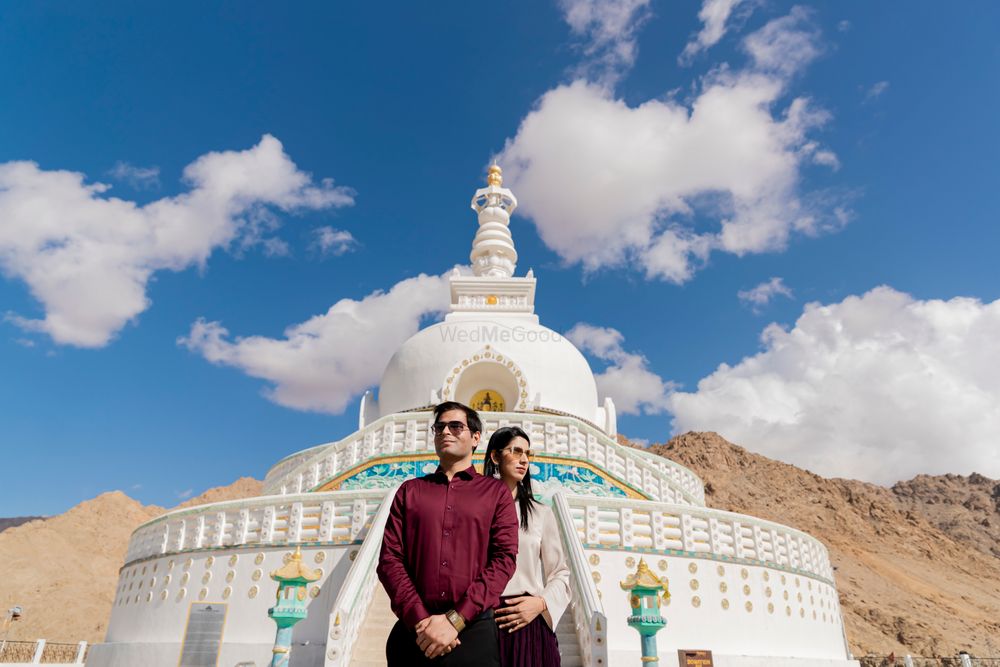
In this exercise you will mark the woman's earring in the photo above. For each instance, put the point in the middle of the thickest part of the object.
(496, 475)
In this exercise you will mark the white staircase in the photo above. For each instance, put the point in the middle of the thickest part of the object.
(569, 644)
(369, 650)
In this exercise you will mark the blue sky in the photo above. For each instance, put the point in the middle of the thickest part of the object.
(861, 174)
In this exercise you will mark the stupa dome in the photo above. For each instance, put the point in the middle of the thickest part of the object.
(512, 363)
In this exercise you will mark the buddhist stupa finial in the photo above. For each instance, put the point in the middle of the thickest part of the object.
(495, 175)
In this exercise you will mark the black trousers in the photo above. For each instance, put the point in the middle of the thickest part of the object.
(479, 646)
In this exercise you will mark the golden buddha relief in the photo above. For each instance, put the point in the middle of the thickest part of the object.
(488, 400)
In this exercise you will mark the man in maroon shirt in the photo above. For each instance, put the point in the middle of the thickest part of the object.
(449, 549)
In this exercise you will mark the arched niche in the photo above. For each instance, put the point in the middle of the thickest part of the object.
(487, 372)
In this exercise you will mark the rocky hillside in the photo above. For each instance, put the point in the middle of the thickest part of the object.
(915, 575)
(63, 570)
(16, 521)
(917, 564)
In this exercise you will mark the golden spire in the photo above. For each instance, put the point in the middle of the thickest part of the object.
(295, 570)
(643, 577)
(495, 175)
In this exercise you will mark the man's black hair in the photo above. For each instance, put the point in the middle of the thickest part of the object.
(472, 419)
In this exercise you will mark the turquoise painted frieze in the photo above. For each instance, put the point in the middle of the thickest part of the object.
(547, 477)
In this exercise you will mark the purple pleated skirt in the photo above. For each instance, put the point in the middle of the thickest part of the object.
(534, 645)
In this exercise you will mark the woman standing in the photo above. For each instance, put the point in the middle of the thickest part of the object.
(539, 592)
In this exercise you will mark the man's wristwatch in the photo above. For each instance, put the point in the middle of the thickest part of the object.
(455, 619)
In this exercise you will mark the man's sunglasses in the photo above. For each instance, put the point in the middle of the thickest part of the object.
(456, 428)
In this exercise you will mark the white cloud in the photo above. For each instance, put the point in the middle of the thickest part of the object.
(878, 387)
(608, 184)
(876, 90)
(87, 257)
(140, 178)
(608, 28)
(786, 44)
(714, 14)
(324, 362)
(328, 241)
(761, 295)
(627, 380)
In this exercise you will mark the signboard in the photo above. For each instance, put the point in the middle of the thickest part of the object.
(203, 636)
(694, 658)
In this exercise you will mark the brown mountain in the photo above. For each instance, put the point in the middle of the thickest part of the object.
(906, 584)
(916, 564)
(63, 570)
(966, 508)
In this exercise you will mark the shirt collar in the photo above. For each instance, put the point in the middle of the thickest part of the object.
(468, 473)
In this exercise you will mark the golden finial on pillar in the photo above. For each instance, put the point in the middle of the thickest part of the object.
(495, 175)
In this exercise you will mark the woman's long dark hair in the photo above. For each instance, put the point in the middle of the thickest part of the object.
(499, 440)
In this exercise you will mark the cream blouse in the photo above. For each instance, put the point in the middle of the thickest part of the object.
(542, 569)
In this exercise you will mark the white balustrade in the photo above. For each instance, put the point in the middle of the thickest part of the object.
(611, 522)
(354, 598)
(408, 433)
(588, 611)
(335, 516)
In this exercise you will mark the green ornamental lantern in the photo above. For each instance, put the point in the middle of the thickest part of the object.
(645, 590)
(290, 607)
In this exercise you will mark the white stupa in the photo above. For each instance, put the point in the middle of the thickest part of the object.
(194, 589)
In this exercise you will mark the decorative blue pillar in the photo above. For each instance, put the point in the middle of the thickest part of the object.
(645, 589)
(290, 605)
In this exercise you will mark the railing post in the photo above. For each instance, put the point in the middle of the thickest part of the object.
(39, 650)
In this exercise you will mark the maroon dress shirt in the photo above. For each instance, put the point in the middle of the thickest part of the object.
(448, 545)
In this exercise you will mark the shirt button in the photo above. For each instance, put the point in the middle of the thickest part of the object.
(444, 563)
(448, 508)
(447, 533)
(442, 593)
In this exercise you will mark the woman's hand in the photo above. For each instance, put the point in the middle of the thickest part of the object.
(520, 611)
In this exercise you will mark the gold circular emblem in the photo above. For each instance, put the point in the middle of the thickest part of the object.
(259, 559)
(207, 577)
(209, 562)
(723, 587)
(692, 567)
(488, 400)
(230, 576)
(770, 607)
(749, 605)
(767, 576)
(186, 578)
(595, 559)
(226, 592)
(252, 593)
(353, 555)
(744, 573)
(596, 576)
(163, 595)
(630, 562)
(720, 570)
(663, 564)
(256, 575)
(696, 601)
(180, 594)
(725, 603)
(492, 300)
(319, 557)
(233, 560)
(746, 590)
(694, 584)
(314, 592)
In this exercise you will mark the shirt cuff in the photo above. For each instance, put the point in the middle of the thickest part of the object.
(415, 614)
(469, 610)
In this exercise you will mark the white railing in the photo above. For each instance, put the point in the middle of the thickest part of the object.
(331, 517)
(557, 436)
(355, 596)
(588, 612)
(608, 522)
